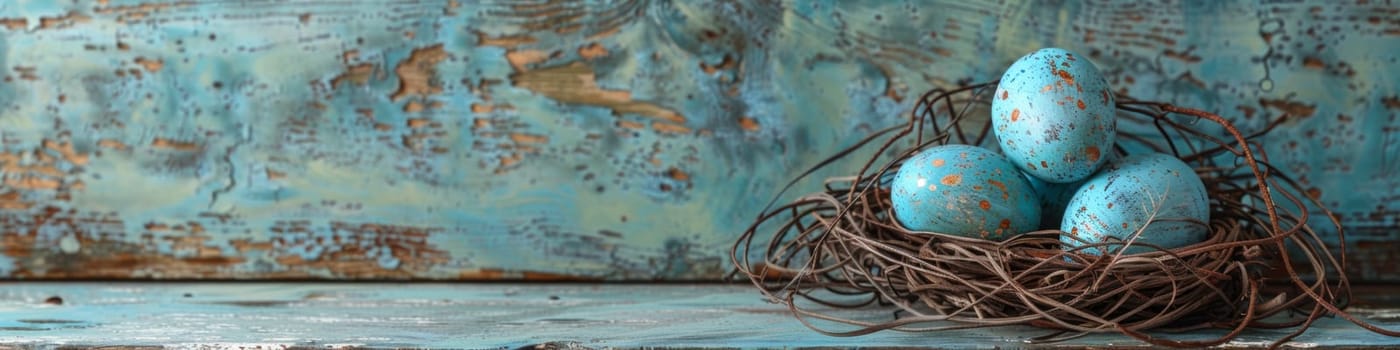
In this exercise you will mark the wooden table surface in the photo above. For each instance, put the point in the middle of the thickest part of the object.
(498, 315)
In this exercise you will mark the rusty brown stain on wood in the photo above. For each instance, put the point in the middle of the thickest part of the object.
(165, 143)
(1293, 108)
(151, 65)
(18, 23)
(506, 41)
(64, 21)
(575, 83)
(120, 259)
(275, 175)
(138, 8)
(15, 168)
(33, 183)
(1391, 102)
(520, 59)
(417, 123)
(349, 256)
(677, 174)
(12, 200)
(629, 124)
(481, 108)
(520, 138)
(591, 51)
(507, 161)
(357, 74)
(1184, 56)
(748, 124)
(668, 128)
(26, 73)
(413, 106)
(1313, 63)
(66, 150)
(243, 245)
(416, 71)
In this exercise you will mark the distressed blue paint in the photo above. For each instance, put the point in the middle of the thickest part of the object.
(279, 157)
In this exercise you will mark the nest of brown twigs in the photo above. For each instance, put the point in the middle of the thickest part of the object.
(839, 250)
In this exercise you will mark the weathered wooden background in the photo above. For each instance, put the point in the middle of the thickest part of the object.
(467, 139)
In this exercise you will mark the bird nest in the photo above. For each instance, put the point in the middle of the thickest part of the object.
(835, 255)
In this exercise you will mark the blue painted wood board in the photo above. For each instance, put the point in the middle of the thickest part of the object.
(617, 140)
(456, 316)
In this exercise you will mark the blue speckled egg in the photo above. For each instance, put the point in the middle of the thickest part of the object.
(1053, 115)
(1118, 201)
(966, 191)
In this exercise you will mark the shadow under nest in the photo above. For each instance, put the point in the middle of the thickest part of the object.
(834, 255)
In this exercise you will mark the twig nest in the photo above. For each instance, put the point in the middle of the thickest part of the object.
(854, 237)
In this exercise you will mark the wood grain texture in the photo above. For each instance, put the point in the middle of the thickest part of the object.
(619, 140)
(458, 316)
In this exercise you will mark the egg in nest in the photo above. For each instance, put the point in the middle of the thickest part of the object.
(1053, 115)
(966, 191)
(1117, 203)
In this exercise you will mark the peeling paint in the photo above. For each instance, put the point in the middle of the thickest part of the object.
(597, 139)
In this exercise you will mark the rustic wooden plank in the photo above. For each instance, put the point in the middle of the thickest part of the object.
(622, 140)
(440, 316)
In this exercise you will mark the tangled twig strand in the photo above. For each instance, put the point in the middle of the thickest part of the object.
(841, 249)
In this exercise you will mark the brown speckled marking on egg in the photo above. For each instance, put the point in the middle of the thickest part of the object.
(1005, 195)
(1092, 152)
(951, 180)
